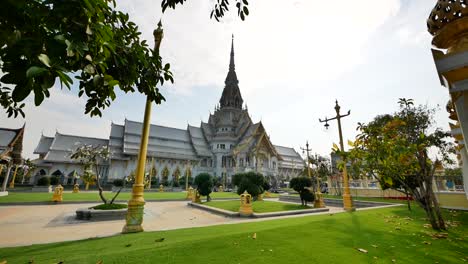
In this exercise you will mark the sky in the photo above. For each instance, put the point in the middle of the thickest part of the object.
(293, 60)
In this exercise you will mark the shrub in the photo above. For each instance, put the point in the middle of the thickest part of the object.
(175, 183)
(118, 182)
(154, 182)
(266, 185)
(54, 180)
(109, 206)
(299, 184)
(44, 181)
(182, 181)
(251, 182)
(204, 183)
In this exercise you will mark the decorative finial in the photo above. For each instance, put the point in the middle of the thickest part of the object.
(158, 34)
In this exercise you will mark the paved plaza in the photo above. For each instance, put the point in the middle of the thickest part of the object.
(36, 224)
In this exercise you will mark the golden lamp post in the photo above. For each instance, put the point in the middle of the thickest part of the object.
(136, 204)
(347, 201)
(318, 202)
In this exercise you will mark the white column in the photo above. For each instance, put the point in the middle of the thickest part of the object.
(7, 176)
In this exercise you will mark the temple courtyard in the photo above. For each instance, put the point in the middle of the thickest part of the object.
(37, 224)
(176, 232)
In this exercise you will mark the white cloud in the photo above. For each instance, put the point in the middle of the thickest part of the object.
(293, 58)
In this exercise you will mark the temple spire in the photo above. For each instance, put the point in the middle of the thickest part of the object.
(231, 96)
(232, 66)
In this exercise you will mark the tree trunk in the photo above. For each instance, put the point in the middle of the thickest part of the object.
(208, 198)
(437, 211)
(115, 196)
(430, 215)
(87, 186)
(104, 200)
(408, 200)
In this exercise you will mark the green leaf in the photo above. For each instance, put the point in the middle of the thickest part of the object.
(9, 78)
(38, 97)
(89, 69)
(113, 83)
(34, 71)
(44, 59)
(65, 79)
(20, 92)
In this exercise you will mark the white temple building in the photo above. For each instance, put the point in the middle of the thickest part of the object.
(229, 143)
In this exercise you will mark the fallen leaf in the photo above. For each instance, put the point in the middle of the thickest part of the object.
(361, 250)
(4, 262)
(426, 242)
(440, 235)
(128, 245)
(159, 239)
(375, 246)
(393, 260)
(99, 262)
(254, 236)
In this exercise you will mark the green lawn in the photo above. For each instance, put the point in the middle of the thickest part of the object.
(258, 206)
(387, 234)
(86, 197)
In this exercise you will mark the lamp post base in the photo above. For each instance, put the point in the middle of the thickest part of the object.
(136, 205)
(318, 202)
(348, 203)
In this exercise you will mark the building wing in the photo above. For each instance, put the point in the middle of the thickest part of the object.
(290, 158)
(199, 142)
(62, 146)
(164, 142)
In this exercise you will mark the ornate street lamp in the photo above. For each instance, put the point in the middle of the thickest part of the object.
(347, 201)
(136, 204)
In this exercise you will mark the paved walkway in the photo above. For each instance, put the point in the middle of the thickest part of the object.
(37, 224)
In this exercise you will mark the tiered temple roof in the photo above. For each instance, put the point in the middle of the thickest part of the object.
(11, 144)
(60, 147)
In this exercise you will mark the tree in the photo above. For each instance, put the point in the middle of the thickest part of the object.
(204, 183)
(453, 172)
(302, 186)
(91, 156)
(88, 177)
(28, 168)
(395, 150)
(219, 8)
(44, 41)
(252, 182)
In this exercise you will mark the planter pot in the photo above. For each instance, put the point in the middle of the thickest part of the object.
(100, 215)
(47, 189)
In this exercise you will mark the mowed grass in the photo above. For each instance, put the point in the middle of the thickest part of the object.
(390, 235)
(24, 197)
(257, 206)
